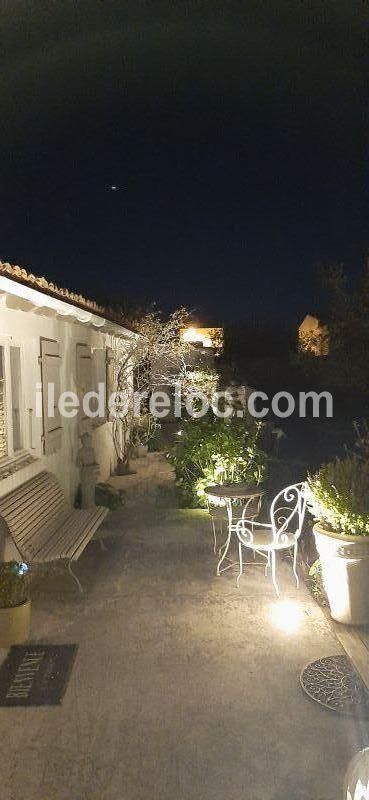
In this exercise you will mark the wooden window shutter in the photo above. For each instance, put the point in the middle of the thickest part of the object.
(99, 370)
(112, 368)
(3, 428)
(84, 375)
(50, 374)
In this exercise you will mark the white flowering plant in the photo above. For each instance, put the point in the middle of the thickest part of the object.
(338, 495)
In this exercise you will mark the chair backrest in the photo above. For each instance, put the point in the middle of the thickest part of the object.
(28, 509)
(287, 511)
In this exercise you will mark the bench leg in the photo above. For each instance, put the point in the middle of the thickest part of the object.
(74, 576)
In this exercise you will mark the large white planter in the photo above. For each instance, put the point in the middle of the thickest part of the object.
(345, 571)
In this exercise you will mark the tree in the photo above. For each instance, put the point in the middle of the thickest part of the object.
(347, 321)
(155, 358)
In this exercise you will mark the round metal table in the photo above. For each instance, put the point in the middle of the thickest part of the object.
(235, 491)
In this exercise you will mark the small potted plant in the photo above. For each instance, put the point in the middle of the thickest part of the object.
(339, 501)
(15, 603)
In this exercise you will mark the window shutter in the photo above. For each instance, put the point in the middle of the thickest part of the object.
(3, 431)
(99, 370)
(84, 375)
(111, 373)
(50, 374)
(16, 385)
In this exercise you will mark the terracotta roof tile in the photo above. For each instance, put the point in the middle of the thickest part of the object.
(41, 284)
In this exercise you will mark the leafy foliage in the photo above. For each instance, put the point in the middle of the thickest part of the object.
(346, 365)
(210, 450)
(14, 584)
(202, 379)
(339, 495)
(317, 586)
(361, 429)
(143, 429)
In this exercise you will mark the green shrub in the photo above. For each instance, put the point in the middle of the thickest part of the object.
(339, 495)
(210, 450)
(317, 586)
(14, 584)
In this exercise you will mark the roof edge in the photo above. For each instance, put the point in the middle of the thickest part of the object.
(41, 284)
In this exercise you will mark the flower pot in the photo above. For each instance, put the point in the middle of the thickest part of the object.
(15, 624)
(345, 571)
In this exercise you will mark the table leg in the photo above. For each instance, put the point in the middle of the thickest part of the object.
(225, 551)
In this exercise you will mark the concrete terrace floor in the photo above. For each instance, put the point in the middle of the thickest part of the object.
(182, 689)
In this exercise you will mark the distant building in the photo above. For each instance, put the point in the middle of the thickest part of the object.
(206, 344)
(203, 337)
(313, 336)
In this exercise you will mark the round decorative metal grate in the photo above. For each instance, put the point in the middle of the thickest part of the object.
(333, 683)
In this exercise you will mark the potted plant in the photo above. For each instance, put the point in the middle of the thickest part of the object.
(211, 450)
(339, 502)
(15, 604)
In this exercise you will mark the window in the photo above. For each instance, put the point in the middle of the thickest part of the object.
(11, 433)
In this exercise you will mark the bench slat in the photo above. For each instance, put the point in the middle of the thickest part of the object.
(30, 509)
(72, 536)
(43, 526)
(36, 545)
(38, 518)
(91, 526)
(40, 521)
(29, 488)
(23, 488)
(70, 531)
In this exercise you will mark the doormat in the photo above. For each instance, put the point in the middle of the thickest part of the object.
(36, 674)
(333, 682)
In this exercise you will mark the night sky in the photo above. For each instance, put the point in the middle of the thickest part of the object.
(235, 133)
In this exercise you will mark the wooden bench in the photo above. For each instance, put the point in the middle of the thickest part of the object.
(44, 527)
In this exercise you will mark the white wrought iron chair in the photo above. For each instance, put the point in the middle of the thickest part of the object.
(247, 509)
(222, 516)
(281, 533)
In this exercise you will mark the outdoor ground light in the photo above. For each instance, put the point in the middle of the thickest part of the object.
(356, 784)
(361, 792)
(286, 615)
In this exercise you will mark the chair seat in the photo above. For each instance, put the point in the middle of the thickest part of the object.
(263, 540)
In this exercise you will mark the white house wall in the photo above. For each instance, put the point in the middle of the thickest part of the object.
(25, 329)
